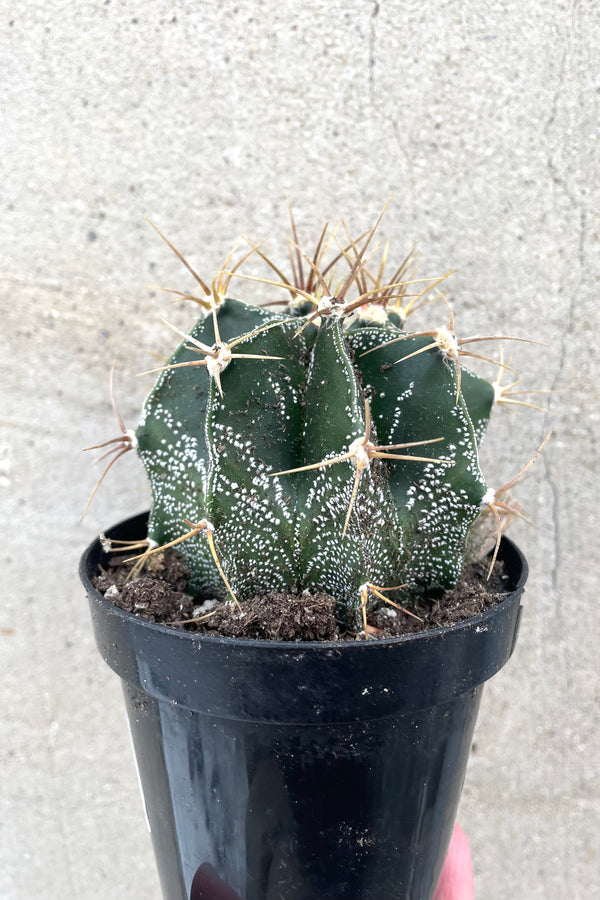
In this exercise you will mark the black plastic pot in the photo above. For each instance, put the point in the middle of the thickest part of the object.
(302, 771)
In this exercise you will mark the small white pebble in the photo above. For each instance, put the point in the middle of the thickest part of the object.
(204, 607)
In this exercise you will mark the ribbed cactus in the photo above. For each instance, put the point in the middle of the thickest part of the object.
(323, 448)
(330, 451)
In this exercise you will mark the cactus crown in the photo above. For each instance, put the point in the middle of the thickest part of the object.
(324, 446)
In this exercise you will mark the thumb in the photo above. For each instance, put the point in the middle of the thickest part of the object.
(208, 886)
(456, 877)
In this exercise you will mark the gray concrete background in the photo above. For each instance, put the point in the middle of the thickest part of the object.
(483, 119)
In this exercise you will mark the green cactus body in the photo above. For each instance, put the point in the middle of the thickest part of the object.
(217, 457)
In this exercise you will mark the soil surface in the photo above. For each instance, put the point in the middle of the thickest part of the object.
(159, 595)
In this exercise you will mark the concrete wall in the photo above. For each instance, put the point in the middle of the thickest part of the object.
(483, 119)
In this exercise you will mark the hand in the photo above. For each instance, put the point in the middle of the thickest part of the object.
(456, 877)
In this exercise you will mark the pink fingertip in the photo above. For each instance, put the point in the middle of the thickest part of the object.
(456, 877)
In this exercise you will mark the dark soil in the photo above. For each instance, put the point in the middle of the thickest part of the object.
(159, 596)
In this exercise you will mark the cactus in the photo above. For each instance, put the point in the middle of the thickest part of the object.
(323, 447)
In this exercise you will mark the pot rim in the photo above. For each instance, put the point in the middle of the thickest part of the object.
(311, 646)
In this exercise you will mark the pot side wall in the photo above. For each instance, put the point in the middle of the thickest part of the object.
(302, 812)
